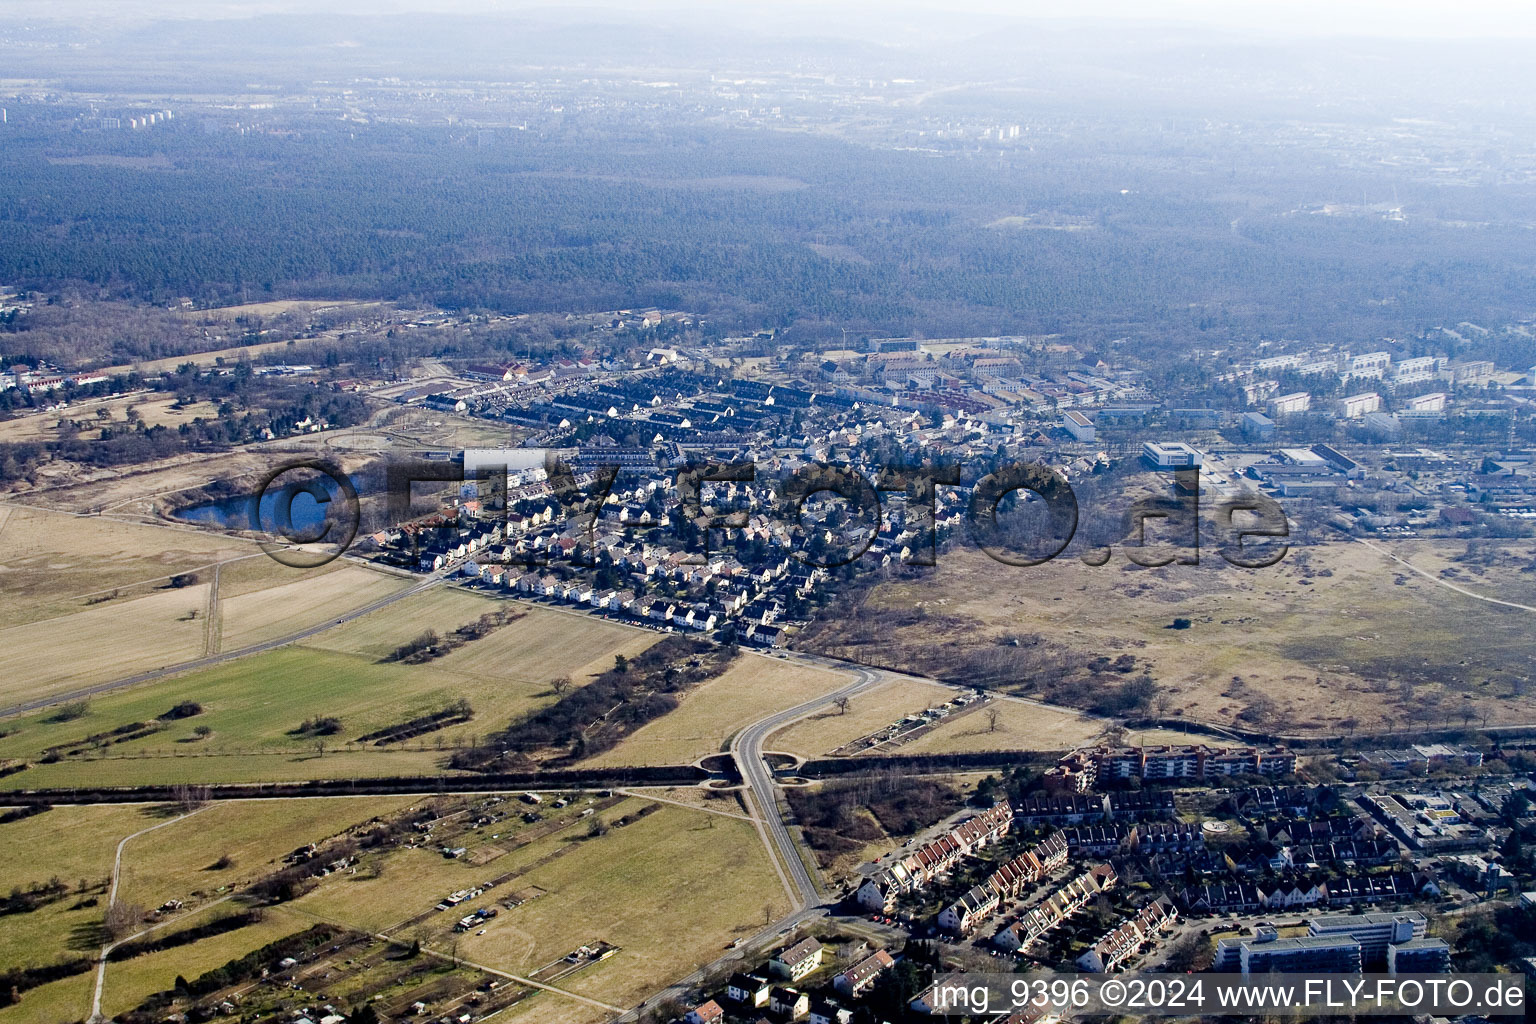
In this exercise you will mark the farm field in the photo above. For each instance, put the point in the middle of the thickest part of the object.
(252, 708)
(251, 705)
(287, 607)
(258, 572)
(1336, 636)
(753, 686)
(377, 634)
(104, 643)
(51, 563)
(527, 653)
(545, 644)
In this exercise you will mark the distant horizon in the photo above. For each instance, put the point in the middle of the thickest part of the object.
(1410, 20)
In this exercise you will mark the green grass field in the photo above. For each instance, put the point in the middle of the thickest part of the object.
(59, 1002)
(672, 888)
(253, 705)
(128, 982)
(175, 861)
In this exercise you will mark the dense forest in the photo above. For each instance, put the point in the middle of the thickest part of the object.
(756, 227)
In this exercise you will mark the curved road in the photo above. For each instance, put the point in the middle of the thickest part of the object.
(747, 751)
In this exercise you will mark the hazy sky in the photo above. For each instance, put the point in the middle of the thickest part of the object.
(1394, 18)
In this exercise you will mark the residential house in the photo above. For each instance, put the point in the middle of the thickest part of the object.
(748, 990)
(825, 1011)
(1121, 942)
(789, 1003)
(705, 1013)
(856, 980)
(1055, 908)
(796, 961)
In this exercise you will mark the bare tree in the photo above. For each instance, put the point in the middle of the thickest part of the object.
(561, 685)
(189, 797)
(994, 718)
(842, 704)
(123, 919)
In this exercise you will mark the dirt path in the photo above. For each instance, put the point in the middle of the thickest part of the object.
(1444, 583)
(117, 877)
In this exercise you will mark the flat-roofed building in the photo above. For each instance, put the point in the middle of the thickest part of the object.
(1374, 932)
(1355, 406)
(1419, 956)
(1078, 425)
(1170, 455)
(1309, 954)
(1257, 426)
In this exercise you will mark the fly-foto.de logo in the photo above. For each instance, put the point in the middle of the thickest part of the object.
(1021, 514)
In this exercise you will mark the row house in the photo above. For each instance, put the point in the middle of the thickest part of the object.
(1071, 809)
(1320, 830)
(1256, 802)
(934, 859)
(1142, 805)
(1094, 840)
(1226, 897)
(1261, 856)
(1030, 866)
(980, 903)
(1223, 897)
(1055, 908)
(1120, 943)
(1146, 840)
(1395, 885)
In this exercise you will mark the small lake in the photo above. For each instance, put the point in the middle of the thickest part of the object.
(234, 513)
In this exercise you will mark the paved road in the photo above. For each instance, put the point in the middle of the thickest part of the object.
(219, 659)
(747, 750)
